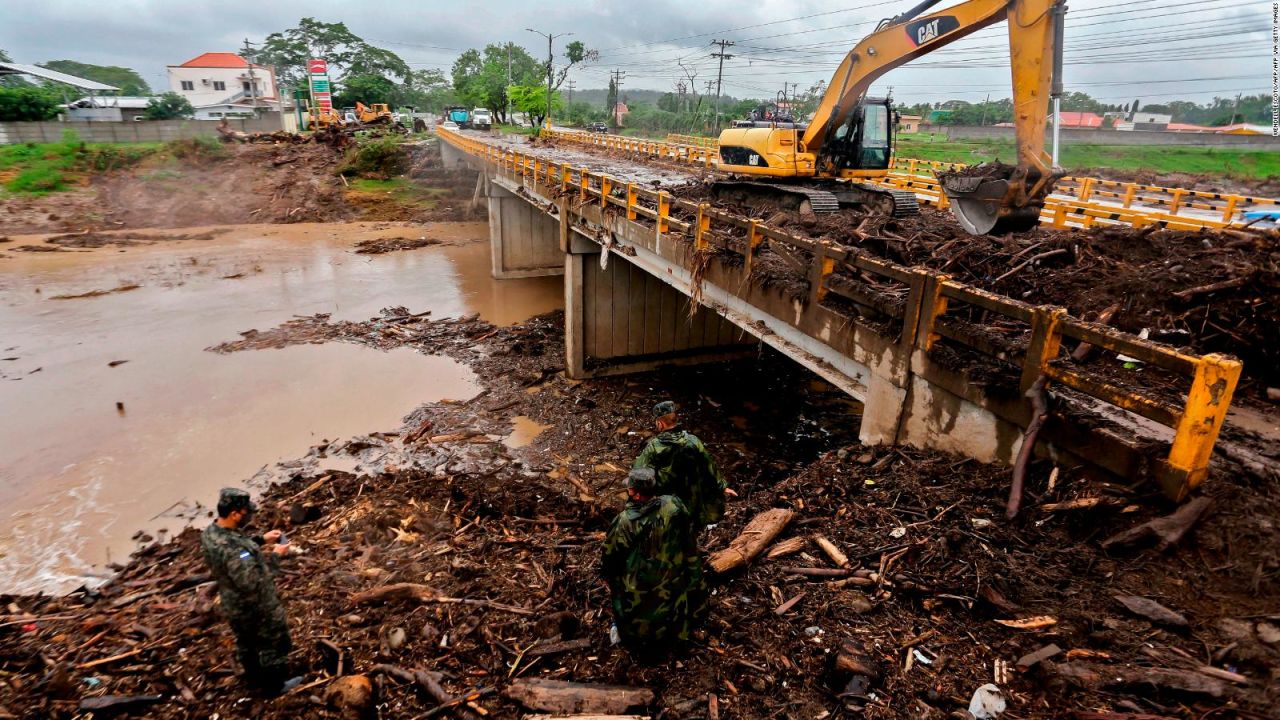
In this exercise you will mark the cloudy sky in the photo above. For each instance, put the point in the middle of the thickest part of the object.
(1193, 49)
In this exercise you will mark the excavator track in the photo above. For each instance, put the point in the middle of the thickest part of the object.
(821, 201)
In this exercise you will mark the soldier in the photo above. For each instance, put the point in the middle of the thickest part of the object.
(651, 564)
(684, 467)
(244, 568)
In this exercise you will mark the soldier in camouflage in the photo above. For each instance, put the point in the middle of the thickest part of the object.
(684, 466)
(244, 568)
(651, 564)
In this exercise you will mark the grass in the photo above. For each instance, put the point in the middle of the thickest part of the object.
(43, 168)
(1154, 158)
(402, 191)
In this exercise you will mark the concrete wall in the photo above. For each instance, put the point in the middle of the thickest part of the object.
(630, 313)
(128, 131)
(525, 240)
(1115, 137)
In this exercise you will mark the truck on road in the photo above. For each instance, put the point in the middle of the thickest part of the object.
(481, 119)
(458, 114)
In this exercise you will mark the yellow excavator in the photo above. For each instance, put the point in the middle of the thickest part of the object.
(818, 167)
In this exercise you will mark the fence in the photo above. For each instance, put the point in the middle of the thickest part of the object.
(840, 270)
(129, 131)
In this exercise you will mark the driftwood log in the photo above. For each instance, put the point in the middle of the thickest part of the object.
(754, 538)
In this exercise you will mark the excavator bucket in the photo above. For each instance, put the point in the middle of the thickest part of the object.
(981, 199)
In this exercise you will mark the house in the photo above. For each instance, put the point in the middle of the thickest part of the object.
(1080, 120)
(909, 123)
(106, 107)
(223, 84)
(619, 112)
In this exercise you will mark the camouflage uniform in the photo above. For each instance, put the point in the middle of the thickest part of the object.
(651, 563)
(686, 469)
(246, 584)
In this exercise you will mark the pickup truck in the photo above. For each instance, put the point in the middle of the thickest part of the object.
(598, 127)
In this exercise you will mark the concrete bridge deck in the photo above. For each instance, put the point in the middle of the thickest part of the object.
(651, 279)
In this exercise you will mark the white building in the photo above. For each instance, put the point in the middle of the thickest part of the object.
(223, 84)
(107, 107)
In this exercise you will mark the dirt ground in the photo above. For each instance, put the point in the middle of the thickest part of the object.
(501, 547)
(251, 183)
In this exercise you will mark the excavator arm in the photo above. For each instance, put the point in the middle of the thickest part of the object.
(980, 203)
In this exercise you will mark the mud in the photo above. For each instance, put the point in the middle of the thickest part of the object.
(512, 538)
(386, 245)
(247, 183)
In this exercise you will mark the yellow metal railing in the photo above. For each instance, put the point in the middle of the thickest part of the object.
(919, 175)
(1211, 379)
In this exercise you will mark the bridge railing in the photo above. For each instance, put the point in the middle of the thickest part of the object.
(925, 305)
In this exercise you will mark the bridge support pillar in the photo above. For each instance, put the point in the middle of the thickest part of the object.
(620, 319)
(525, 240)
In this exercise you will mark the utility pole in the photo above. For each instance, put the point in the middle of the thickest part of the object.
(550, 60)
(508, 92)
(253, 84)
(722, 55)
(571, 84)
(985, 104)
(618, 77)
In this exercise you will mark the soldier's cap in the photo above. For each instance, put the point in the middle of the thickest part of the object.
(236, 499)
(664, 408)
(642, 480)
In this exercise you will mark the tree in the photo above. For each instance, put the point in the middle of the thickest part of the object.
(169, 106)
(129, 81)
(611, 102)
(532, 101)
(480, 79)
(10, 80)
(426, 90)
(27, 103)
(346, 53)
(368, 89)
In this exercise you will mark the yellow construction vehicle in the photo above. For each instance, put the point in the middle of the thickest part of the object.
(816, 167)
(375, 114)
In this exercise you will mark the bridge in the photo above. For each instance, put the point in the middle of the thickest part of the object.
(652, 279)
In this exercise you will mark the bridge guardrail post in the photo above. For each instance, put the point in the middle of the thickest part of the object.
(584, 181)
(1046, 340)
(606, 186)
(664, 212)
(932, 305)
(754, 239)
(701, 228)
(631, 201)
(1208, 400)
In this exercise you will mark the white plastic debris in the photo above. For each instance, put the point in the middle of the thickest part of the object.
(987, 702)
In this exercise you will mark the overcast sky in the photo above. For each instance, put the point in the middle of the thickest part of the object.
(1149, 49)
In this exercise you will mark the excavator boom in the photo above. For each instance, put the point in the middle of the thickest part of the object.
(995, 200)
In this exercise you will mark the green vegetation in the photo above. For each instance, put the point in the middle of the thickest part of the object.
(402, 191)
(39, 169)
(21, 103)
(129, 81)
(382, 158)
(1154, 158)
(42, 168)
(169, 106)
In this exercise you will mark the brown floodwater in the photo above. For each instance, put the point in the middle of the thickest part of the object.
(79, 475)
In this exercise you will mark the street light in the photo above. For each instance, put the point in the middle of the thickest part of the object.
(550, 39)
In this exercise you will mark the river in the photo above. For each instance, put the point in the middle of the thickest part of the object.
(96, 449)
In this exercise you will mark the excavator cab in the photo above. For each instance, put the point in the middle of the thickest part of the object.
(862, 146)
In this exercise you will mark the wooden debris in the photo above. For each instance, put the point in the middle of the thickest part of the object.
(1032, 623)
(1168, 529)
(789, 546)
(118, 703)
(1078, 504)
(839, 558)
(786, 606)
(761, 531)
(558, 647)
(1039, 414)
(818, 572)
(1188, 681)
(559, 696)
(1152, 610)
(1031, 659)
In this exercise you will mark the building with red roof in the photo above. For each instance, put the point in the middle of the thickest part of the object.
(223, 84)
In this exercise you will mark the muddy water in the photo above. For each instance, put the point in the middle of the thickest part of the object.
(80, 475)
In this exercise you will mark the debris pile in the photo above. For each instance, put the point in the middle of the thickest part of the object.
(446, 573)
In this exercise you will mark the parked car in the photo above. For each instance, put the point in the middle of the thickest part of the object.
(598, 127)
